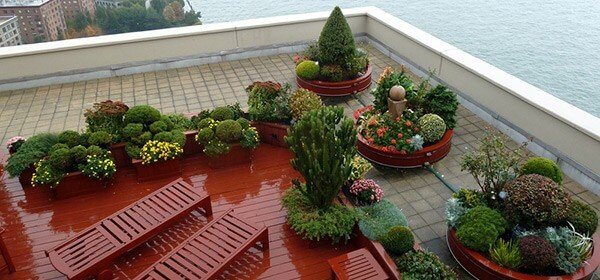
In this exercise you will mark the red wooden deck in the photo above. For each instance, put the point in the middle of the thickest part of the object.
(34, 222)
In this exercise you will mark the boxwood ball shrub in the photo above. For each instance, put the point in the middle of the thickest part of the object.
(158, 127)
(222, 113)
(58, 146)
(228, 131)
(480, 227)
(536, 200)
(100, 138)
(544, 167)
(308, 70)
(336, 42)
(60, 159)
(487, 215)
(302, 101)
(583, 217)
(538, 255)
(70, 138)
(432, 127)
(143, 114)
(398, 240)
(244, 123)
(78, 154)
(204, 123)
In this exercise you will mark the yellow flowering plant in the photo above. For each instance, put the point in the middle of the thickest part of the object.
(154, 151)
(99, 166)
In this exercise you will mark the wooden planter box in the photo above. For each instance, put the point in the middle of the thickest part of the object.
(337, 89)
(25, 177)
(119, 154)
(237, 155)
(74, 184)
(191, 147)
(157, 170)
(395, 159)
(480, 267)
(271, 133)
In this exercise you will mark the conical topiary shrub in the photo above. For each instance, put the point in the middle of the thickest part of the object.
(336, 43)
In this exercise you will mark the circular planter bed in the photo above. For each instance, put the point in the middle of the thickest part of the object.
(337, 89)
(481, 268)
(271, 133)
(395, 159)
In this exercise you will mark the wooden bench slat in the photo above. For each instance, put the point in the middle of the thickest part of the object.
(357, 265)
(243, 234)
(92, 250)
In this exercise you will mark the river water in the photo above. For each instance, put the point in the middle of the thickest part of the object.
(554, 45)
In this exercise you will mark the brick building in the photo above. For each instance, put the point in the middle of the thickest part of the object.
(71, 7)
(10, 35)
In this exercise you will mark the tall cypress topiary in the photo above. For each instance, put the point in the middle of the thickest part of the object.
(323, 145)
(336, 43)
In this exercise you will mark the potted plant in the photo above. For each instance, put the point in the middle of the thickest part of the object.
(322, 142)
(521, 223)
(334, 66)
(406, 127)
(107, 116)
(226, 141)
(272, 109)
(158, 159)
(21, 162)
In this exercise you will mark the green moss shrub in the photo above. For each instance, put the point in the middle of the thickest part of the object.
(158, 127)
(432, 127)
(538, 255)
(398, 240)
(583, 217)
(308, 70)
(78, 154)
(244, 123)
(60, 159)
(536, 200)
(544, 167)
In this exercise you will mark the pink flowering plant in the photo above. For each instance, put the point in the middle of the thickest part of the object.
(14, 143)
(365, 192)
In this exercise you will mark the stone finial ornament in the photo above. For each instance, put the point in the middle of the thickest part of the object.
(397, 101)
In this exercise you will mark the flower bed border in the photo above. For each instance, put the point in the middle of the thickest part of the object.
(271, 133)
(337, 89)
(395, 159)
(157, 170)
(237, 155)
(481, 268)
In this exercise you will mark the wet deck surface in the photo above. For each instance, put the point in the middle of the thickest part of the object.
(35, 222)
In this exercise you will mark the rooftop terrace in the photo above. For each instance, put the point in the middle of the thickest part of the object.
(35, 224)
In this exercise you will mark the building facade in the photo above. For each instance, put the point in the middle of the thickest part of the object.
(10, 34)
(108, 3)
(71, 7)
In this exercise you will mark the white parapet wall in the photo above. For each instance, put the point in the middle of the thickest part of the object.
(559, 130)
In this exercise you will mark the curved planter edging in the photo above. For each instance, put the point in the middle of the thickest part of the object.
(271, 133)
(337, 89)
(481, 268)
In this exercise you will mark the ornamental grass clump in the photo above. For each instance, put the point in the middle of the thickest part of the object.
(30, 152)
(155, 151)
(506, 254)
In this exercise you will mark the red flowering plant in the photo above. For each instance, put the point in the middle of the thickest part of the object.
(388, 134)
(365, 192)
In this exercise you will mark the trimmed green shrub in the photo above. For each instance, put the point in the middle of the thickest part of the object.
(180, 121)
(95, 150)
(302, 101)
(158, 127)
(178, 136)
(377, 219)
(506, 254)
(583, 217)
(58, 146)
(144, 114)
(432, 127)
(335, 222)
(205, 135)
(31, 151)
(78, 154)
(478, 236)
(423, 265)
(536, 200)
(486, 215)
(308, 70)
(398, 240)
(228, 131)
(249, 138)
(133, 150)
(60, 159)
(216, 148)
(100, 138)
(164, 136)
(244, 123)
(544, 167)
(538, 255)
(333, 73)
(323, 144)
(142, 139)
(167, 121)
(204, 123)
(442, 102)
(356, 65)
(222, 113)
(70, 138)
(336, 42)
(133, 130)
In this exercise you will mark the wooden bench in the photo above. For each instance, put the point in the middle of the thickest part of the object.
(357, 265)
(207, 253)
(91, 251)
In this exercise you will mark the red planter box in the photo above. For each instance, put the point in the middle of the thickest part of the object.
(237, 155)
(480, 267)
(191, 147)
(157, 170)
(74, 184)
(271, 133)
(25, 177)
(395, 159)
(335, 89)
(120, 156)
